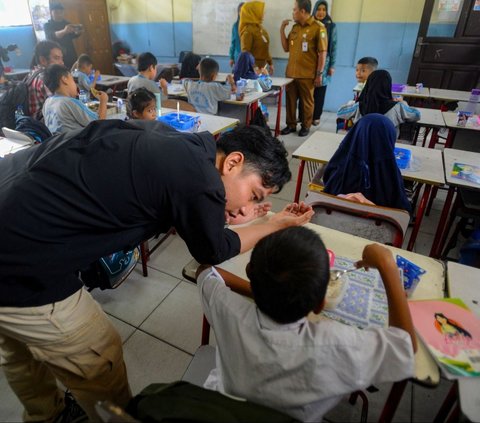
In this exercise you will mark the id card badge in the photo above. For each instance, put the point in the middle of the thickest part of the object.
(304, 46)
(264, 39)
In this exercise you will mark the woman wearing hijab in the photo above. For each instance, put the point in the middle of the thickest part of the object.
(253, 36)
(235, 47)
(189, 67)
(365, 162)
(245, 67)
(376, 97)
(320, 13)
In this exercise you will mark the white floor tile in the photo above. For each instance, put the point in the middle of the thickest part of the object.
(178, 319)
(124, 329)
(137, 297)
(171, 256)
(150, 360)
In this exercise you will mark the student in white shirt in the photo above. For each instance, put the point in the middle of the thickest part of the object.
(205, 94)
(269, 353)
(63, 112)
(147, 71)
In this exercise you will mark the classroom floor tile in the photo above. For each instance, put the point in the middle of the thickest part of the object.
(150, 360)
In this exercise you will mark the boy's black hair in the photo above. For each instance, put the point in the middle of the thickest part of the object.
(208, 68)
(167, 74)
(52, 76)
(43, 49)
(305, 5)
(56, 6)
(264, 154)
(137, 100)
(145, 60)
(370, 61)
(84, 60)
(289, 273)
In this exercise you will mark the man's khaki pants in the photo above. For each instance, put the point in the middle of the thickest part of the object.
(72, 341)
(300, 90)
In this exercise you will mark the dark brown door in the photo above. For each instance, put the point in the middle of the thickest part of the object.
(447, 53)
(95, 40)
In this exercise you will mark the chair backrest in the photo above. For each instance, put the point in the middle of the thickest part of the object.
(172, 104)
(376, 223)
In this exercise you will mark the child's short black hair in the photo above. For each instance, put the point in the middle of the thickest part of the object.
(145, 60)
(84, 60)
(52, 76)
(289, 273)
(167, 74)
(305, 5)
(264, 154)
(369, 61)
(137, 101)
(208, 68)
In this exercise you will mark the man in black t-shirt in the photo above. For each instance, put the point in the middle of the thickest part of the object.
(63, 32)
(86, 194)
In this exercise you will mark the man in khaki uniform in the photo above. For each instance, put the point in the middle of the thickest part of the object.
(307, 45)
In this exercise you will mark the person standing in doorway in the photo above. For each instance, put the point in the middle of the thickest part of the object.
(235, 46)
(63, 32)
(320, 13)
(307, 47)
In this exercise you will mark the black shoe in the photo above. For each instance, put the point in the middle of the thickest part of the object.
(303, 132)
(287, 130)
(72, 413)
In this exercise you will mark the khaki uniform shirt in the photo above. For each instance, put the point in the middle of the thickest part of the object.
(304, 45)
(254, 39)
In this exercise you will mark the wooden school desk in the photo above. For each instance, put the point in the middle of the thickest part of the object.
(426, 168)
(279, 84)
(114, 82)
(211, 123)
(451, 119)
(431, 286)
(17, 73)
(241, 109)
(463, 282)
(451, 156)
(431, 120)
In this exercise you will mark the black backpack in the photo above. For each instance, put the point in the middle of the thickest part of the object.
(16, 95)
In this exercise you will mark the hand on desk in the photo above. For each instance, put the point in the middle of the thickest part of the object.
(259, 210)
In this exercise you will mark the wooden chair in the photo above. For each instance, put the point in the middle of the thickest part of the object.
(184, 105)
(377, 223)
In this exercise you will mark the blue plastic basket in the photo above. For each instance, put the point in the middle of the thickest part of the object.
(180, 121)
(402, 156)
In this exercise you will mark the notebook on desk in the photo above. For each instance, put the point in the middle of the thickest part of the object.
(452, 334)
(13, 141)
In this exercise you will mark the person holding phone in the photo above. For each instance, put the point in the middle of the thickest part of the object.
(63, 32)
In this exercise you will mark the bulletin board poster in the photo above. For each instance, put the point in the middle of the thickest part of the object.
(40, 12)
(476, 6)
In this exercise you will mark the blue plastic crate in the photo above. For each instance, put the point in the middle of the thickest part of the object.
(402, 156)
(180, 121)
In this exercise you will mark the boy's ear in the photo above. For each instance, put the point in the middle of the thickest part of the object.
(64, 79)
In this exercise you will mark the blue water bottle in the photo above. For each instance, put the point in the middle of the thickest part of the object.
(83, 96)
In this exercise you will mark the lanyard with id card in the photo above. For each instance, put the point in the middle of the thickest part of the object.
(304, 43)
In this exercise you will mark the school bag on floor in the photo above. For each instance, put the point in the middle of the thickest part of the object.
(16, 95)
(110, 271)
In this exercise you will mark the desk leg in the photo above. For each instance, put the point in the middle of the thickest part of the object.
(279, 112)
(299, 181)
(450, 137)
(441, 224)
(392, 402)
(434, 138)
(419, 217)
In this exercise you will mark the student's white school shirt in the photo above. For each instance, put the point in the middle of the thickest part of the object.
(139, 81)
(64, 114)
(204, 96)
(303, 369)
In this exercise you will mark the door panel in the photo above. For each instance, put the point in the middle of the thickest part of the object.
(447, 53)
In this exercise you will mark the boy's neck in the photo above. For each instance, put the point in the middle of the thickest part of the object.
(62, 92)
(145, 74)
